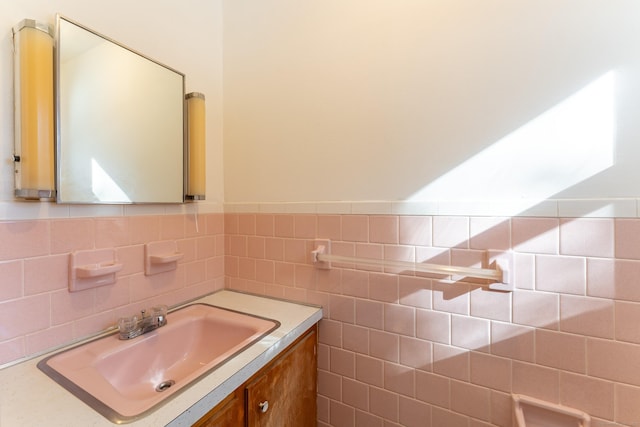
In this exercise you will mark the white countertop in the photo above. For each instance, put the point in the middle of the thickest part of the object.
(30, 398)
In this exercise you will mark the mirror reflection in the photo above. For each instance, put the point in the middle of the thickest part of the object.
(120, 118)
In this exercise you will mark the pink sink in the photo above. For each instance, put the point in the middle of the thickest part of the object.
(124, 380)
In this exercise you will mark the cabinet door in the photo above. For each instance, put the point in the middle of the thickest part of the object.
(228, 413)
(285, 394)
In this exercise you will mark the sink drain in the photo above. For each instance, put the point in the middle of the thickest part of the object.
(164, 385)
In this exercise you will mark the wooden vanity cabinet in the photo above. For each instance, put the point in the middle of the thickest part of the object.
(281, 394)
(284, 394)
(228, 413)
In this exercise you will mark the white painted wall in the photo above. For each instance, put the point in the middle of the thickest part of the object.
(184, 35)
(351, 101)
(334, 100)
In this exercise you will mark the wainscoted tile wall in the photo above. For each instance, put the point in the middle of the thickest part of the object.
(396, 349)
(407, 349)
(36, 310)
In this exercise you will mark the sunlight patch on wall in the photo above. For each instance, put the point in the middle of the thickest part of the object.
(567, 144)
(103, 187)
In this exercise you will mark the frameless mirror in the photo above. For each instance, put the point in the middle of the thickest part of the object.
(120, 122)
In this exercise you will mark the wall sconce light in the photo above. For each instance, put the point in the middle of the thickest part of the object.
(196, 164)
(34, 110)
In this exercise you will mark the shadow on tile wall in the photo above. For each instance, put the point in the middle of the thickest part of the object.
(411, 350)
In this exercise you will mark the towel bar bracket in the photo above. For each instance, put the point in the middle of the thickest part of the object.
(323, 247)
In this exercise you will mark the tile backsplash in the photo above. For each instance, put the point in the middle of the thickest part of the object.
(36, 310)
(396, 348)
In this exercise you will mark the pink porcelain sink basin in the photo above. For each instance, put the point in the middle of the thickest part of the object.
(124, 380)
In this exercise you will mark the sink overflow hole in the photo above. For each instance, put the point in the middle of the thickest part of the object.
(164, 385)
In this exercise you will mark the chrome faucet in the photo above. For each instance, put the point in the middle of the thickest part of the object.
(131, 327)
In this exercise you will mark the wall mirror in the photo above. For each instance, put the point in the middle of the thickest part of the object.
(120, 122)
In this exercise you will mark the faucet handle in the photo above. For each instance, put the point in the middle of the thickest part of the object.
(127, 324)
(159, 310)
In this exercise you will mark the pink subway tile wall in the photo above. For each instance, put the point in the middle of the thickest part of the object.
(405, 349)
(38, 313)
(396, 348)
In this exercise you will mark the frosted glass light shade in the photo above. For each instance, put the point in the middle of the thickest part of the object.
(196, 147)
(34, 110)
